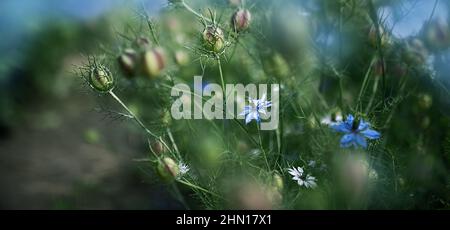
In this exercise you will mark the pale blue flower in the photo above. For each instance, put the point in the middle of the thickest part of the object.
(184, 168)
(255, 109)
(355, 134)
(302, 178)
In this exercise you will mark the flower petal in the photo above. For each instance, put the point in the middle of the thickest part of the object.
(363, 125)
(347, 140)
(349, 120)
(246, 110)
(293, 172)
(360, 140)
(249, 117)
(300, 171)
(341, 127)
(371, 134)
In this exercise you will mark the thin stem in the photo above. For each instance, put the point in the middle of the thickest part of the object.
(262, 148)
(169, 133)
(187, 183)
(194, 12)
(140, 123)
(374, 91)
(132, 114)
(150, 25)
(221, 74)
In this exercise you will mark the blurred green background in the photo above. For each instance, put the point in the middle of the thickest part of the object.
(56, 150)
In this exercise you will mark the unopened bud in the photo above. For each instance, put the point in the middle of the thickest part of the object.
(213, 38)
(168, 169)
(143, 43)
(240, 20)
(127, 62)
(181, 58)
(101, 79)
(373, 37)
(154, 62)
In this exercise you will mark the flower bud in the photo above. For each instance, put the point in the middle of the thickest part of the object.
(235, 3)
(101, 79)
(277, 182)
(154, 62)
(425, 101)
(143, 42)
(415, 52)
(373, 38)
(127, 62)
(158, 147)
(213, 38)
(240, 20)
(181, 58)
(168, 169)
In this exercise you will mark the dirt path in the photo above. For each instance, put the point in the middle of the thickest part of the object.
(48, 164)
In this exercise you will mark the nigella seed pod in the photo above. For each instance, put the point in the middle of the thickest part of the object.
(425, 101)
(153, 62)
(168, 169)
(101, 79)
(158, 147)
(181, 58)
(127, 62)
(415, 52)
(373, 37)
(143, 42)
(240, 20)
(213, 38)
(277, 181)
(235, 3)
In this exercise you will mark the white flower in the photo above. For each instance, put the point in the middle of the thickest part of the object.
(255, 109)
(330, 120)
(302, 179)
(184, 168)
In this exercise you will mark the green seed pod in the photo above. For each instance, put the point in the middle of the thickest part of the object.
(373, 40)
(168, 169)
(181, 58)
(158, 147)
(240, 20)
(213, 38)
(415, 52)
(153, 62)
(234, 3)
(127, 62)
(277, 181)
(425, 101)
(101, 79)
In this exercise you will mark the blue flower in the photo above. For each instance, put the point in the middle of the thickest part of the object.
(256, 107)
(355, 134)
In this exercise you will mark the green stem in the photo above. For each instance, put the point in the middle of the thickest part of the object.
(262, 148)
(187, 183)
(374, 91)
(138, 121)
(221, 74)
(193, 11)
